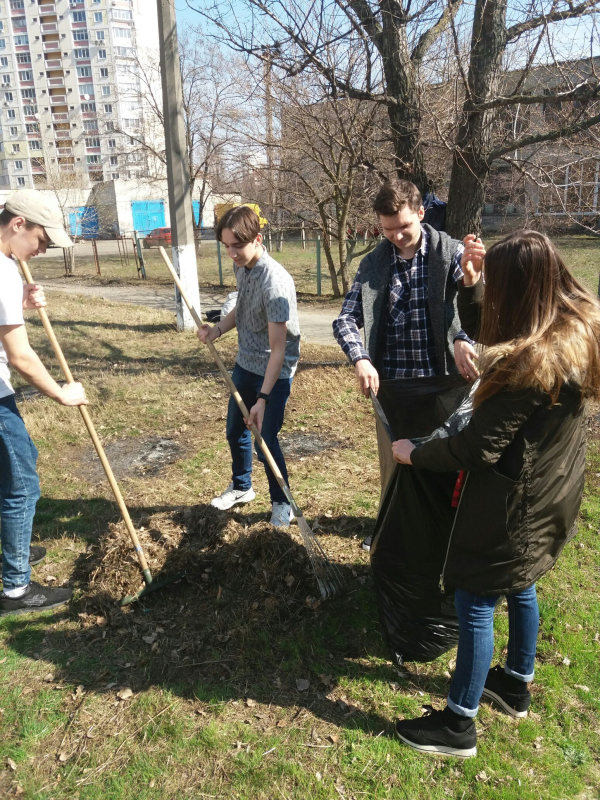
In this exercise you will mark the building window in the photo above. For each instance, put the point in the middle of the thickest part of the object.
(112, 143)
(99, 36)
(4, 61)
(84, 72)
(13, 131)
(108, 108)
(114, 161)
(18, 165)
(11, 113)
(97, 16)
(29, 111)
(2, 44)
(104, 72)
(93, 159)
(21, 40)
(121, 14)
(82, 52)
(19, 22)
(17, 4)
(79, 16)
(101, 54)
(32, 127)
(26, 75)
(93, 142)
(110, 126)
(122, 33)
(28, 93)
(20, 181)
(6, 80)
(86, 88)
(8, 96)
(35, 144)
(23, 58)
(90, 125)
(88, 107)
(114, 176)
(16, 148)
(106, 91)
(80, 36)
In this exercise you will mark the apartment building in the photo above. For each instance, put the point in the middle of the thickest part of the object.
(71, 107)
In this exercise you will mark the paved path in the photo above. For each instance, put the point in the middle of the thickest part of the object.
(315, 323)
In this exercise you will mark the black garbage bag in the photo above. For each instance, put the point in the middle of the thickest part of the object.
(415, 518)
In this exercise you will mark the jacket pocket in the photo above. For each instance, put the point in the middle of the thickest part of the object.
(490, 514)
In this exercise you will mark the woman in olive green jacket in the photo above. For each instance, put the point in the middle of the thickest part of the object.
(523, 453)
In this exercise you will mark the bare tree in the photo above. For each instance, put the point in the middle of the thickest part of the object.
(406, 44)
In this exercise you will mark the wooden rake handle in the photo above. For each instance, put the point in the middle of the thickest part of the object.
(93, 435)
(232, 388)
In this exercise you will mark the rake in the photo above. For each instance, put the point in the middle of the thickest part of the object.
(151, 585)
(328, 575)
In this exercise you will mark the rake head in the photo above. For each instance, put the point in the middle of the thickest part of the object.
(153, 586)
(328, 575)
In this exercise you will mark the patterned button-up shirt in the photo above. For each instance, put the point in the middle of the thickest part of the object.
(408, 343)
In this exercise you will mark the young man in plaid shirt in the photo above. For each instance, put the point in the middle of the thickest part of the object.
(404, 297)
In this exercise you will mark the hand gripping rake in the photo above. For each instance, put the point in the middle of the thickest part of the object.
(328, 575)
(151, 585)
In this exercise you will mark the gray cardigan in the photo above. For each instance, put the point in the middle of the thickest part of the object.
(376, 273)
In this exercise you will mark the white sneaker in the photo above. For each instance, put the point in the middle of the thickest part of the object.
(281, 515)
(232, 497)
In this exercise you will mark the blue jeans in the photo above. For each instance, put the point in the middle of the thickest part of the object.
(249, 385)
(476, 644)
(19, 492)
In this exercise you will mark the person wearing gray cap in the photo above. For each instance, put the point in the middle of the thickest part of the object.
(30, 221)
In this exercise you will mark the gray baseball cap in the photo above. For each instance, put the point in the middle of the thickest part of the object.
(42, 209)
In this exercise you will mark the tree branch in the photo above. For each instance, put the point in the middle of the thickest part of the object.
(583, 92)
(581, 10)
(550, 136)
(429, 36)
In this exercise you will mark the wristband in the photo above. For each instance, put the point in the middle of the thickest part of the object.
(263, 396)
(220, 331)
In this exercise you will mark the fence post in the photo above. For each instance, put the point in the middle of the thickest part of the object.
(96, 259)
(220, 264)
(318, 265)
(138, 247)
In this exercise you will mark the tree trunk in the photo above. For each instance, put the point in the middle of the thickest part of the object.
(326, 242)
(400, 82)
(471, 163)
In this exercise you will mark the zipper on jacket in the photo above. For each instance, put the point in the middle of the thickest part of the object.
(441, 584)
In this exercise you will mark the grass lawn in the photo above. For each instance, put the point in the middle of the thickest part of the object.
(582, 254)
(200, 691)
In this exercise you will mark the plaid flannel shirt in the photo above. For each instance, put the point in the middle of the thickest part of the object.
(408, 343)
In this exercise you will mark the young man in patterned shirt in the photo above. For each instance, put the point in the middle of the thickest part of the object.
(404, 297)
(266, 319)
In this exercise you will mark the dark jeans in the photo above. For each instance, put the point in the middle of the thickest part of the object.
(476, 644)
(239, 437)
(19, 492)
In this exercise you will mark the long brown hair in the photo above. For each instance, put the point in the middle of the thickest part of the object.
(540, 325)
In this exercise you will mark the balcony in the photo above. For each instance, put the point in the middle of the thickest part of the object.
(64, 151)
(47, 46)
(63, 116)
(62, 134)
(53, 63)
(47, 8)
(67, 167)
(56, 81)
(58, 99)
(49, 27)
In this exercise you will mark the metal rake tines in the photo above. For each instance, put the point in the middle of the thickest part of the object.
(328, 575)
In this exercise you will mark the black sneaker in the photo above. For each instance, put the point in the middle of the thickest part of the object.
(440, 732)
(36, 598)
(366, 544)
(511, 694)
(36, 555)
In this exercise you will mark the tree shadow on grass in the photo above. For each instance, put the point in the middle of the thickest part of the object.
(243, 624)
